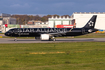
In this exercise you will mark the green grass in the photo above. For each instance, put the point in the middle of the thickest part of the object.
(76, 56)
(92, 35)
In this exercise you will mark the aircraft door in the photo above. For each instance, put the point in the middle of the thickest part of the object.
(15, 31)
(18, 31)
(83, 31)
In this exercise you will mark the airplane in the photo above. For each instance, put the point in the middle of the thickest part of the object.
(51, 33)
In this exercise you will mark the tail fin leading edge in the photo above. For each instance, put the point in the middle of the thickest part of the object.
(91, 22)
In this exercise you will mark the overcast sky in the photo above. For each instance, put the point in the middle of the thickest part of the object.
(51, 7)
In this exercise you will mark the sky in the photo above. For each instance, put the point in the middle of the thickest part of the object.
(51, 7)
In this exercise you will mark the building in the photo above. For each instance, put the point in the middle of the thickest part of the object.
(1, 21)
(9, 20)
(43, 24)
(82, 18)
(33, 22)
(37, 24)
(6, 19)
(54, 21)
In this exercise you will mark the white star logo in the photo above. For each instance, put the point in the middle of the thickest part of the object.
(91, 23)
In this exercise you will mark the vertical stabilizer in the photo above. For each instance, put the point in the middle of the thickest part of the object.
(91, 22)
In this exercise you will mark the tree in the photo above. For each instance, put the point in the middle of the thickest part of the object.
(23, 19)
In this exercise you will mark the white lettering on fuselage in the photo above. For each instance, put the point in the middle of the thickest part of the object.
(46, 30)
(23, 34)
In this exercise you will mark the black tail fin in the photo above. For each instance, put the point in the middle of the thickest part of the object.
(91, 22)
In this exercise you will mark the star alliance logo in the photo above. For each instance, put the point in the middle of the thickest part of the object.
(91, 23)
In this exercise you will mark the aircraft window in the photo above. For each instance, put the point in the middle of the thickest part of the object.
(15, 30)
(11, 30)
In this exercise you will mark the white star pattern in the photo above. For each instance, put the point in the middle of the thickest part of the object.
(91, 23)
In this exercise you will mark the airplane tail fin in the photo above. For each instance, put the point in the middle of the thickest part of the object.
(91, 22)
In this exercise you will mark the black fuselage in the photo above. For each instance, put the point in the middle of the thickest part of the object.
(36, 32)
